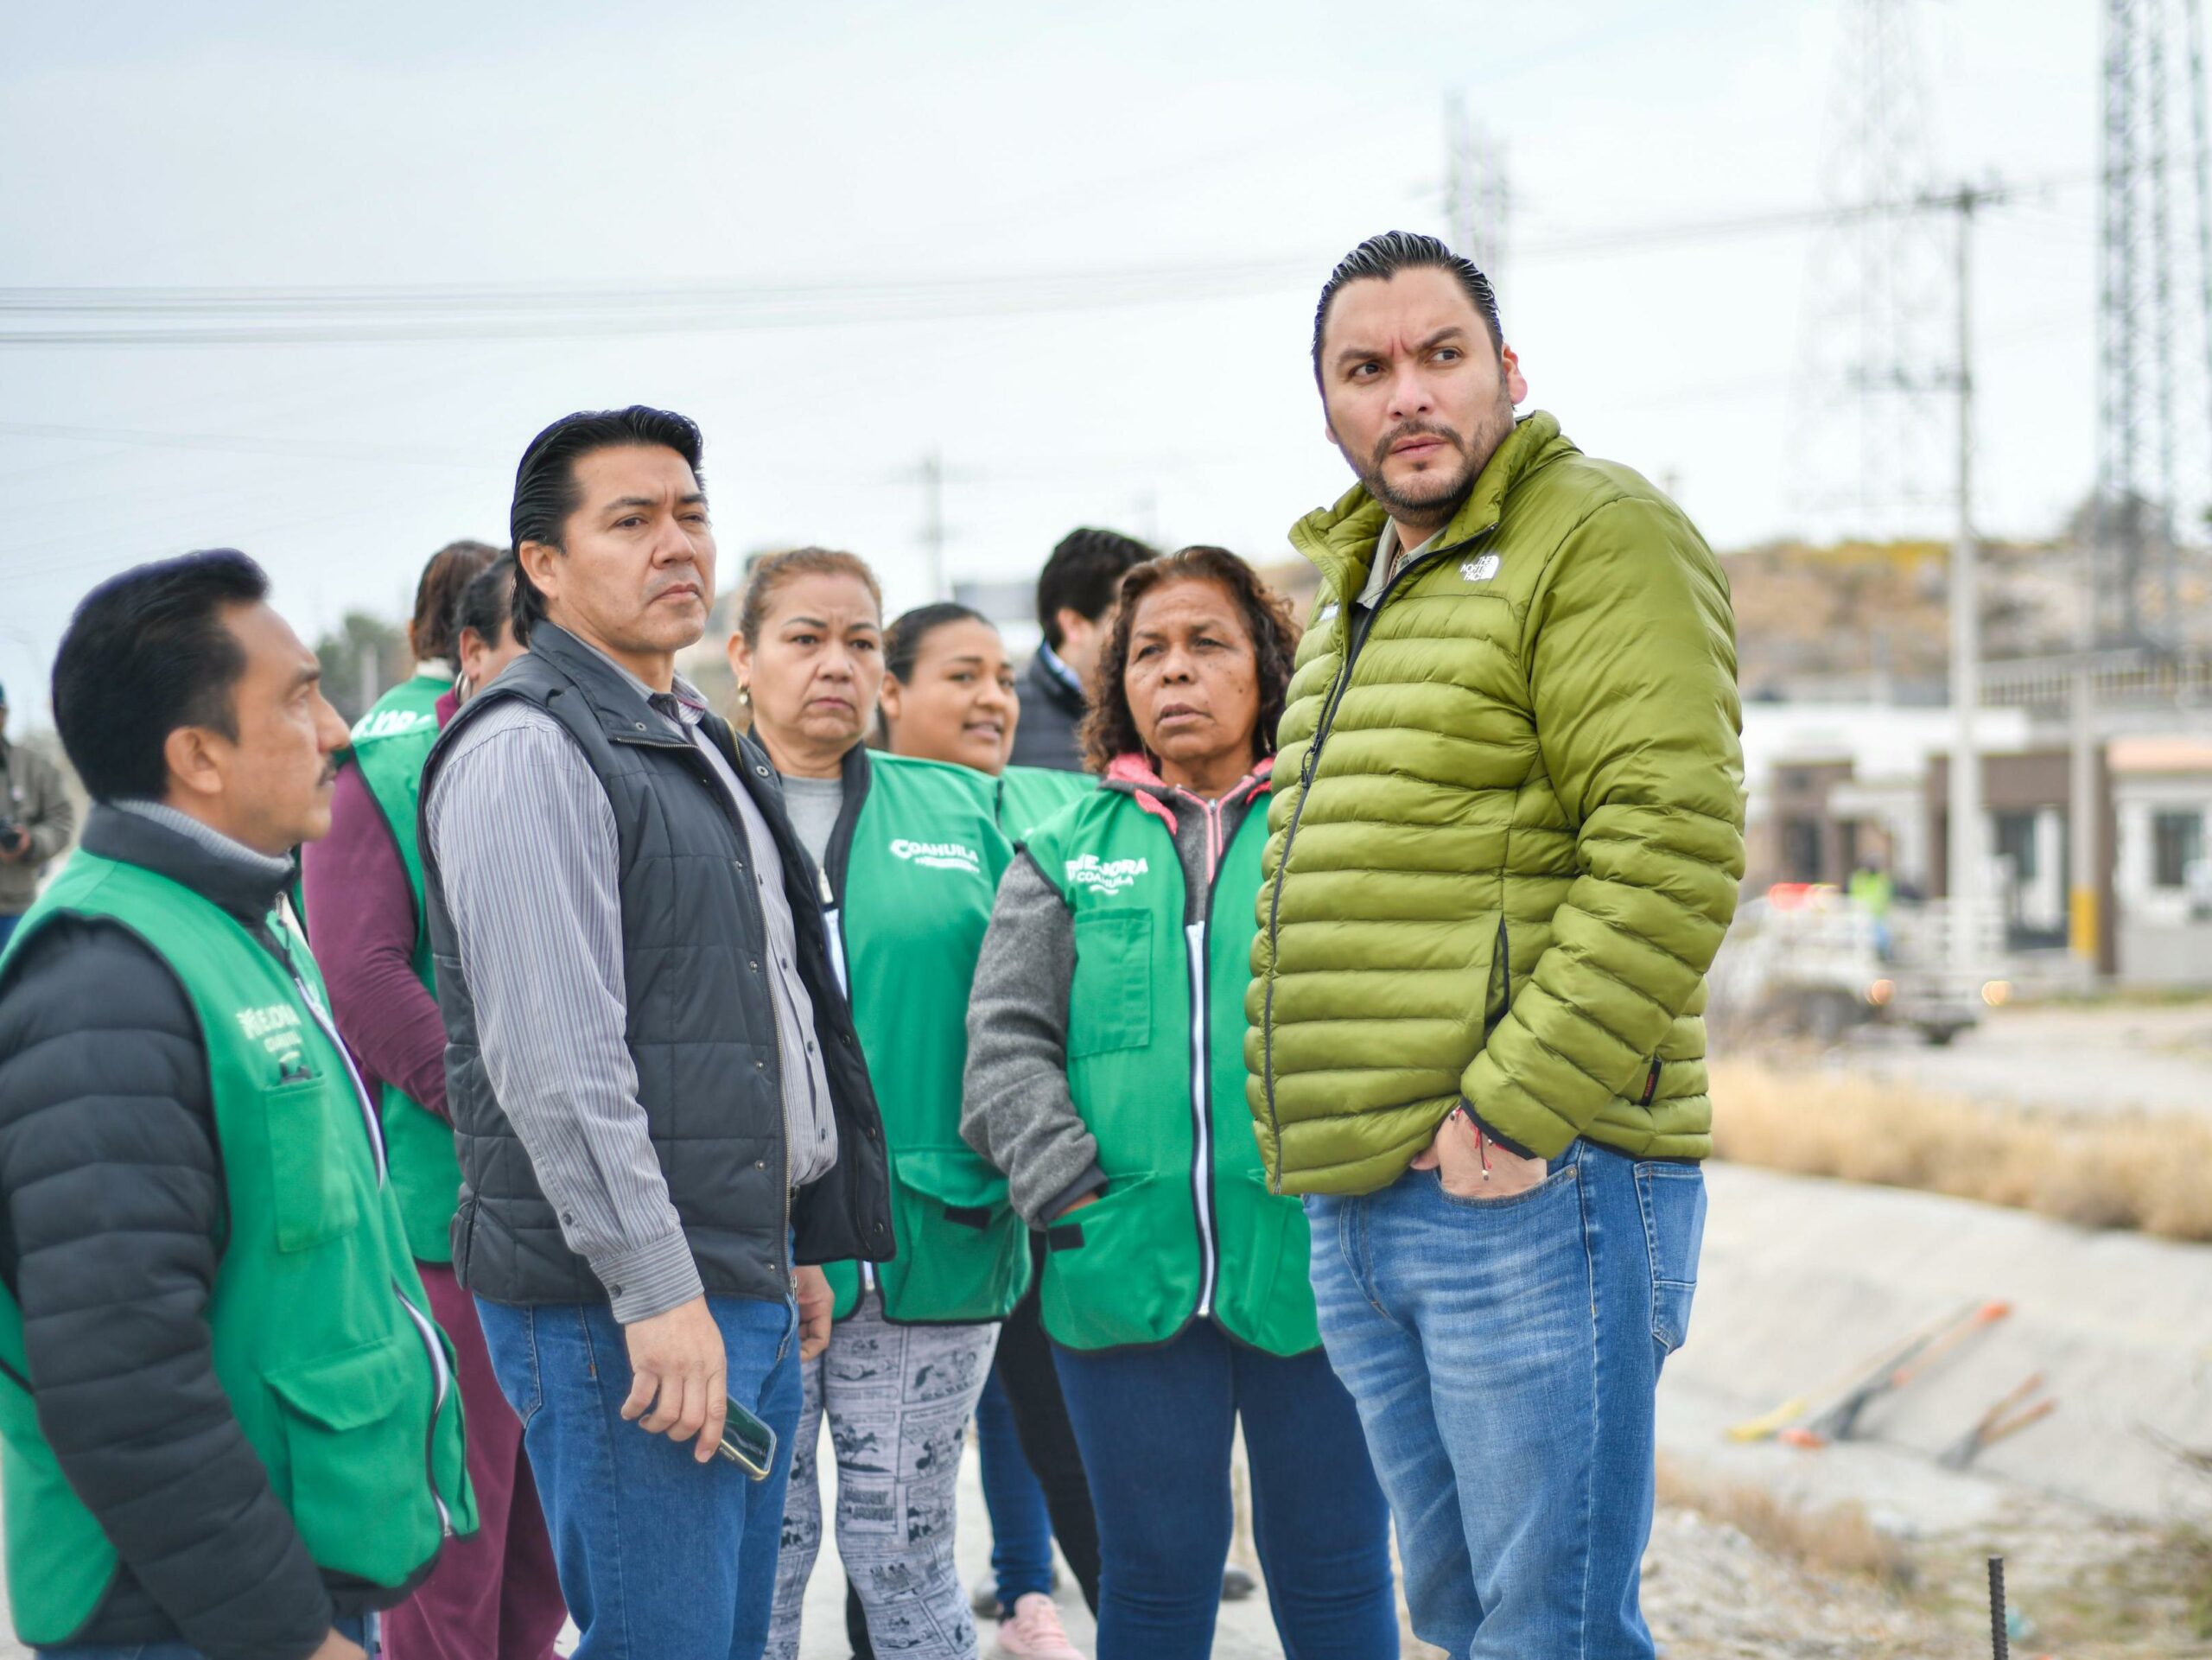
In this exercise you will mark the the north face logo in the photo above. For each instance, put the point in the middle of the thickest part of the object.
(1480, 570)
(1104, 876)
(938, 855)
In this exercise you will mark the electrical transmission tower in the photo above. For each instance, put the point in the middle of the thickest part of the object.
(1869, 452)
(1476, 201)
(2154, 335)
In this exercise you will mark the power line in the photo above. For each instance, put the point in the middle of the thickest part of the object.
(77, 317)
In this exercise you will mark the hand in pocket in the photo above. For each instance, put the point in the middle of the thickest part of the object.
(1458, 1157)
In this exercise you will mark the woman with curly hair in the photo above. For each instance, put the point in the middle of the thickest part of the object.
(1105, 1076)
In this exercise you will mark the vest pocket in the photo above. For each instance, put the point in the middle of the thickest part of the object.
(963, 1252)
(1265, 1296)
(356, 1452)
(1124, 1277)
(1110, 1004)
(314, 1200)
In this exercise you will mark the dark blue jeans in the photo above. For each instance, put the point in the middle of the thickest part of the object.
(661, 1557)
(361, 1630)
(1155, 1427)
(1504, 1354)
(1022, 1526)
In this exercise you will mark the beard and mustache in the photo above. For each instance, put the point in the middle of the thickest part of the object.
(1433, 496)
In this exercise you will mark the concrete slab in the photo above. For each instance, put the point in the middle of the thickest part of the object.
(1805, 1280)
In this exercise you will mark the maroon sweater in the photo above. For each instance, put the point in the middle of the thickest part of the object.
(361, 921)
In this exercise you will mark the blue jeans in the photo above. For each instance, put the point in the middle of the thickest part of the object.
(1504, 1354)
(1155, 1428)
(362, 1629)
(660, 1557)
(1021, 1527)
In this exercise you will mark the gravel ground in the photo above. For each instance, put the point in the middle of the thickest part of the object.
(1712, 1594)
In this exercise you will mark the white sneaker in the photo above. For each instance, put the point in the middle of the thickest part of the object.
(1035, 1632)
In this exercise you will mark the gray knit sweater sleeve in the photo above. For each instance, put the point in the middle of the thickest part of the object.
(1015, 1109)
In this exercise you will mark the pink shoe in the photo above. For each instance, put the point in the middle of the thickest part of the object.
(1035, 1632)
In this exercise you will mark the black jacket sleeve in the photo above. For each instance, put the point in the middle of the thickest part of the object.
(111, 1207)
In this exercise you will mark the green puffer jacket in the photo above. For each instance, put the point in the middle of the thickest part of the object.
(1507, 833)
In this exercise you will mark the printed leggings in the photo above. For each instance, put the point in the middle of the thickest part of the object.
(898, 1399)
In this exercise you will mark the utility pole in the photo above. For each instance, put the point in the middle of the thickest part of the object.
(932, 476)
(1868, 413)
(1965, 851)
(1477, 199)
(2154, 320)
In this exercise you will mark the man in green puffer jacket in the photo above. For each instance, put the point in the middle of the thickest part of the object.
(1505, 842)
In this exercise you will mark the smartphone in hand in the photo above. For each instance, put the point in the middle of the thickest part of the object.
(749, 1443)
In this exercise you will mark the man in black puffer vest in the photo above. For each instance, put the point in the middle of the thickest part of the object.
(658, 1101)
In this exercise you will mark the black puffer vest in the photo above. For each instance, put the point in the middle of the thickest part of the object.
(701, 1027)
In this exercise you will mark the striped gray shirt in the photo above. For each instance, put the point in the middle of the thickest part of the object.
(544, 957)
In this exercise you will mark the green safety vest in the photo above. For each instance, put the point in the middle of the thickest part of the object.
(1030, 795)
(910, 883)
(321, 1332)
(391, 743)
(1186, 1228)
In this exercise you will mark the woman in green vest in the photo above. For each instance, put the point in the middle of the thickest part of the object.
(496, 1594)
(1106, 1077)
(910, 854)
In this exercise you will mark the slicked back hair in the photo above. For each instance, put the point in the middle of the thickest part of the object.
(1384, 256)
(149, 651)
(546, 492)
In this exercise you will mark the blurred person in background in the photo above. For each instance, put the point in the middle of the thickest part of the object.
(230, 1427)
(1075, 593)
(909, 853)
(36, 821)
(1507, 846)
(1105, 1077)
(495, 1597)
(658, 1099)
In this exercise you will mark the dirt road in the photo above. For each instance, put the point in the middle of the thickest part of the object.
(2064, 1059)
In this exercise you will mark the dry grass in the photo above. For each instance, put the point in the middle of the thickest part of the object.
(1836, 1541)
(2139, 1171)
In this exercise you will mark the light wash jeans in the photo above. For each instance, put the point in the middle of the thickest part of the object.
(1503, 1354)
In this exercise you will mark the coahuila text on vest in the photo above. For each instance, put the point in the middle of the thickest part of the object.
(277, 1028)
(938, 855)
(392, 723)
(1106, 876)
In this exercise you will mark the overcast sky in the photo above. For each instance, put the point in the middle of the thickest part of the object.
(552, 142)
